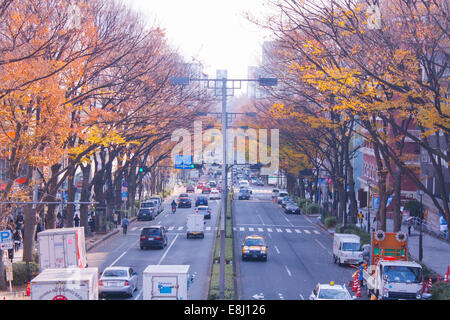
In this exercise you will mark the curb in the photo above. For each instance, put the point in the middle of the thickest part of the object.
(107, 236)
(322, 226)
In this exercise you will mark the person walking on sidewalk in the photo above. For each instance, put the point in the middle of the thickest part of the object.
(410, 223)
(116, 219)
(360, 216)
(17, 237)
(125, 224)
(76, 220)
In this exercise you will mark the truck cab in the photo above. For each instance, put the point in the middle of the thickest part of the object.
(394, 280)
(347, 249)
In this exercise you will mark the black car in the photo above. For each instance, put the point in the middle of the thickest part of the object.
(146, 214)
(201, 201)
(184, 201)
(154, 236)
(244, 194)
(292, 208)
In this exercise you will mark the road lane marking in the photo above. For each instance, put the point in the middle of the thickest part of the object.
(269, 229)
(298, 231)
(170, 228)
(180, 228)
(279, 230)
(276, 249)
(288, 231)
(167, 251)
(320, 244)
(260, 229)
(301, 296)
(307, 231)
(208, 228)
(316, 232)
(251, 229)
(261, 219)
(241, 229)
(288, 271)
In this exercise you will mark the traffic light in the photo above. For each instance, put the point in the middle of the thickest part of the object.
(196, 166)
(144, 169)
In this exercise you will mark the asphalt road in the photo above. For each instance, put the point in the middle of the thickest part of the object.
(123, 250)
(299, 253)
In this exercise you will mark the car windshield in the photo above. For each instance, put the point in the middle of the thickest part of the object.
(254, 242)
(156, 199)
(148, 205)
(203, 208)
(152, 231)
(333, 294)
(403, 274)
(184, 195)
(283, 195)
(115, 273)
(351, 246)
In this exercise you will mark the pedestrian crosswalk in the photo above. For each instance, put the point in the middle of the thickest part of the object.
(275, 229)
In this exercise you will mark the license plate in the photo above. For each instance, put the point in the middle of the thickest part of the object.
(195, 233)
(150, 238)
(113, 284)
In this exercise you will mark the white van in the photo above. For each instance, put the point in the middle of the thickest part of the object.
(347, 249)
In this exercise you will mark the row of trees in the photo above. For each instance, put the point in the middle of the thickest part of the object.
(378, 70)
(84, 85)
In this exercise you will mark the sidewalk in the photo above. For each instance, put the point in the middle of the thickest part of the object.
(436, 252)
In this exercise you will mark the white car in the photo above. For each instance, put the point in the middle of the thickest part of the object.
(330, 291)
(214, 194)
(118, 280)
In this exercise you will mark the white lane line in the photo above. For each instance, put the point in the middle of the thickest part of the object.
(276, 249)
(180, 228)
(307, 231)
(260, 229)
(298, 231)
(251, 229)
(288, 271)
(138, 295)
(288, 221)
(241, 229)
(170, 228)
(316, 232)
(279, 230)
(168, 249)
(208, 228)
(133, 229)
(320, 244)
(288, 231)
(301, 296)
(269, 229)
(118, 258)
(261, 219)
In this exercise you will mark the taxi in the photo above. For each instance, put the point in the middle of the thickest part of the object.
(330, 291)
(254, 247)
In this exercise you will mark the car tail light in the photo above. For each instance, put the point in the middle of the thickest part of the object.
(127, 283)
(100, 283)
(158, 238)
(143, 238)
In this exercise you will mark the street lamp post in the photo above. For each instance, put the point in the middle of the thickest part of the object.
(421, 226)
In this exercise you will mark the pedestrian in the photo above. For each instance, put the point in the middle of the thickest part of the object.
(361, 216)
(361, 278)
(125, 224)
(17, 237)
(11, 254)
(76, 220)
(115, 219)
(92, 223)
(409, 226)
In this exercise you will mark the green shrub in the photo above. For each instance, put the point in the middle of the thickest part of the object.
(311, 208)
(330, 222)
(20, 274)
(413, 206)
(440, 291)
(303, 203)
(354, 229)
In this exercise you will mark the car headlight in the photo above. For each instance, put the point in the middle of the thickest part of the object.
(386, 294)
(245, 249)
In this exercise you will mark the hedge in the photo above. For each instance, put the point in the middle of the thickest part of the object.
(330, 222)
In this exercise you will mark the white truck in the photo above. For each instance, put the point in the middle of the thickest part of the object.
(62, 248)
(195, 225)
(166, 282)
(65, 284)
(394, 280)
(347, 249)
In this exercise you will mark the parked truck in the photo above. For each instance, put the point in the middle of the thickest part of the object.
(65, 284)
(195, 225)
(166, 282)
(62, 248)
(347, 249)
(390, 275)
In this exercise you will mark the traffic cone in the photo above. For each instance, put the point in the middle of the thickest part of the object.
(438, 279)
(373, 297)
(424, 286)
(358, 289)
(430, 284)
(28, 290)
(447, 274)
(355, 279)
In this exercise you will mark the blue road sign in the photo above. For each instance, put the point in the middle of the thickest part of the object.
(183, 162)
(6, 240)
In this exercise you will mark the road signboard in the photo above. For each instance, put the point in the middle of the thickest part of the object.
(183, 162)
(6, 240)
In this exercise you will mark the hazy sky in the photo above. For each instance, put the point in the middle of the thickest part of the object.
(213, 31)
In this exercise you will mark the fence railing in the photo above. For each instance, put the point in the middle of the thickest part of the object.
(430, 228)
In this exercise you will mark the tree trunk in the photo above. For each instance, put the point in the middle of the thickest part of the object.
(85, 197)
(29, 226)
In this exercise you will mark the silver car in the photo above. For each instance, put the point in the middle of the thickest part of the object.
(118, 280)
